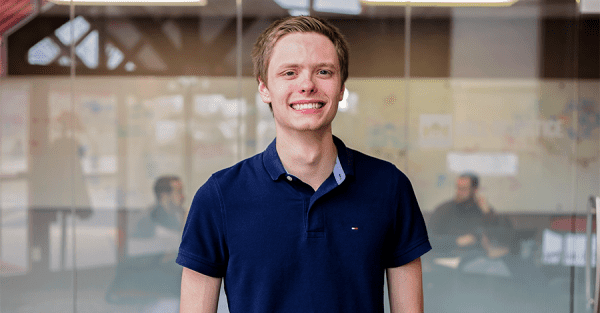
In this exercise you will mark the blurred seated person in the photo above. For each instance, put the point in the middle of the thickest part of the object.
(149, 270)
(469, 223)
(168, 210)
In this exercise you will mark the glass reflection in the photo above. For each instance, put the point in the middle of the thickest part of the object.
(491, 92)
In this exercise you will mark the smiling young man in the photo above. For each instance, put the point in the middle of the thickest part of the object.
(308, 225)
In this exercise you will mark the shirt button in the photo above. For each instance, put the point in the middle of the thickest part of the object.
(289, 178)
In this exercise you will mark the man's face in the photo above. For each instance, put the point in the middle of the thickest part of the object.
(176, 195)
(304, 83)
(463, 189)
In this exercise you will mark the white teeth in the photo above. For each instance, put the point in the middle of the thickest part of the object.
(306, 106)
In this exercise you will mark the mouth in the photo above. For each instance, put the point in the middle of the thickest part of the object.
(307, 106)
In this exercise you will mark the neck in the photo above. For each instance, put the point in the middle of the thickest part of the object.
(310, 156)
(163, 202)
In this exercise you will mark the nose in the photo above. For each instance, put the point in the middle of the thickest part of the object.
(307, 84)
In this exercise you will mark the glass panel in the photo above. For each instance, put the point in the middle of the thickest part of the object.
(149, 143)
(14, 228)
(588, 179)
(14, 136)
(509, 150)
(514, 241)
(38, 192)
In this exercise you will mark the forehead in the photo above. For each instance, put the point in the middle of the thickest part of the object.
(176, 184)
(309, 45)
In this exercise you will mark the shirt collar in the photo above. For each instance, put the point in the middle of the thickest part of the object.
(275, 168)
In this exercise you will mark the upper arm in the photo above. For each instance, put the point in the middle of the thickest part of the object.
(408, 239)
(405, 287)
(203, 245)
(199, 292)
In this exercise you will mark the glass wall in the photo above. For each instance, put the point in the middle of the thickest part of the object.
(91, 213)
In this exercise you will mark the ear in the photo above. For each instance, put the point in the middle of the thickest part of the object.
(341, 96)
(265, 95)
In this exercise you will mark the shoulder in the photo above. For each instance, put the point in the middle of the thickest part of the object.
(445, 207)
(243, 168)
(154, 209)
(235, 177)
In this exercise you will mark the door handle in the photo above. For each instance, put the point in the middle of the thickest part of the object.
(592, 300)
(597, 284)
(591, 208)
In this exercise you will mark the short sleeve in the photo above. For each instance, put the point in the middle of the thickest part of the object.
(203, 245)
(410, 239)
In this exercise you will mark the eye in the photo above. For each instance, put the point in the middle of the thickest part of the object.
(325, 72)
(289, 73)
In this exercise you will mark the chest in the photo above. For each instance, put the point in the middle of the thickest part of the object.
(344, 225)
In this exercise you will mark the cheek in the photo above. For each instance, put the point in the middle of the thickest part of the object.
(280, 89)
(276, 89)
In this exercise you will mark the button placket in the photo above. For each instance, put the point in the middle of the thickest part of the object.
(315, 214)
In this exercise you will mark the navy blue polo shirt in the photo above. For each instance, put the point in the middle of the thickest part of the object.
(282, 247)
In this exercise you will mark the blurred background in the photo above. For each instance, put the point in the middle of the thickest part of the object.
(113, 116)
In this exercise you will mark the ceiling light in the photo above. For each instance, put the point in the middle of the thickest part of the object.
(133, 2)
(299, 12)
(293, 4)
(338, 6)
(442, 3)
